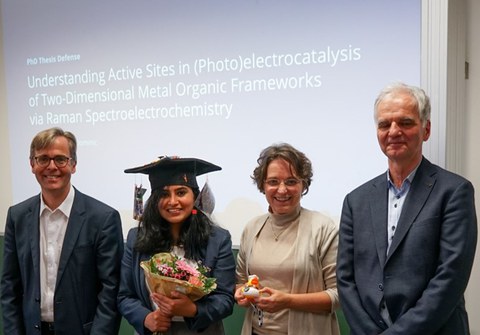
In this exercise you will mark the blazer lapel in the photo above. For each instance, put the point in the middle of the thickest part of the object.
(33, 220)
(418, 194)
(145, 291)
(378, 214)
(75, 224)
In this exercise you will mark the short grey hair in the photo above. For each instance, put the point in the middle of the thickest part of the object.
(420, 97)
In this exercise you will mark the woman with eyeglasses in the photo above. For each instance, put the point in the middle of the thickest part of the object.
(292, 251)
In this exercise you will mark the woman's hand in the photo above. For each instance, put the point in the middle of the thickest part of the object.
(240, 298)
(178, 304)
(157, 321)
(272, 301)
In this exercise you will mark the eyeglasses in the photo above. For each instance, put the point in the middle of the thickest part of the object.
(290, 182)
(60, 160)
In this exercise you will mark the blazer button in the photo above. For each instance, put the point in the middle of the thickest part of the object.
(380, 287)
(37, 327)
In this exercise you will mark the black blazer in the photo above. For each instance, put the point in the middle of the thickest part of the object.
(424, 275)
(88, 272)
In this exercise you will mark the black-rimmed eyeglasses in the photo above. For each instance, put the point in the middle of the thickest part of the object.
(59, 161)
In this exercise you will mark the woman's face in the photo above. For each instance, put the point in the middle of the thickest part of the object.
(283, 189)
(176, 203)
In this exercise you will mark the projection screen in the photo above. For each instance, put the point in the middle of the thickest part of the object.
(217, 80)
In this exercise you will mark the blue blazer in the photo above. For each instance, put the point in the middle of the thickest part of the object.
(425, 274)
(88, 272)
(134, 299)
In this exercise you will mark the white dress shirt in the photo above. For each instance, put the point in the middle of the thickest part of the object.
(53, 225)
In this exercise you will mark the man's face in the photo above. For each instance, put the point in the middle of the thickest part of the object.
(400, 132)
(54, 180)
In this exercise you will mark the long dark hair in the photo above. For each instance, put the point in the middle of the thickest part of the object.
(154, 232)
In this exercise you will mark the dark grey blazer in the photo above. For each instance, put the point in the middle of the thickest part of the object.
(88, 273)
(424, 276)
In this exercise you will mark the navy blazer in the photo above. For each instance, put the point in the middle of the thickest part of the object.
(425, 274)
(88, 271)
(134, 299)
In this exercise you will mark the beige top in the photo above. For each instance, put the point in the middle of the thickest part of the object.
(273, 252)
(310, 239)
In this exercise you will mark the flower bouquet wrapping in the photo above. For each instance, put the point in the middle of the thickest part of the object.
(165, 272)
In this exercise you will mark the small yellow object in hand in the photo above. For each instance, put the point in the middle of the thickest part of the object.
(251, 289)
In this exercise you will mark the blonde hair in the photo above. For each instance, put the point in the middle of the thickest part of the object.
(46, 137)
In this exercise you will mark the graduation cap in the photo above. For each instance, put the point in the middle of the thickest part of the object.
(167, 171)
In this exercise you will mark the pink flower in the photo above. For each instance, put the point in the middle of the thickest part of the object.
(193, 273)
(183, 266)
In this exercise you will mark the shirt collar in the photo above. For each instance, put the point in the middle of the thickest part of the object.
(405, 183)
(65, 207)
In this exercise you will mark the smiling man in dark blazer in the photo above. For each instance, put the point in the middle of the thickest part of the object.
(407, 237)
(62, 251)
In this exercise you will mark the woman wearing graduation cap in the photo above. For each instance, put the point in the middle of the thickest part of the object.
(172, 223)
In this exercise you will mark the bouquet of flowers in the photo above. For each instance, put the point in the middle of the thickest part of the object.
(166, 272)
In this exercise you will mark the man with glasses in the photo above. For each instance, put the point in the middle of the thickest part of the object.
(62, 251)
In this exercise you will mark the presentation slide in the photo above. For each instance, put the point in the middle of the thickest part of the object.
(215, 79)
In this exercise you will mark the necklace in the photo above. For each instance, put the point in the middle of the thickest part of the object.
(275, 235)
